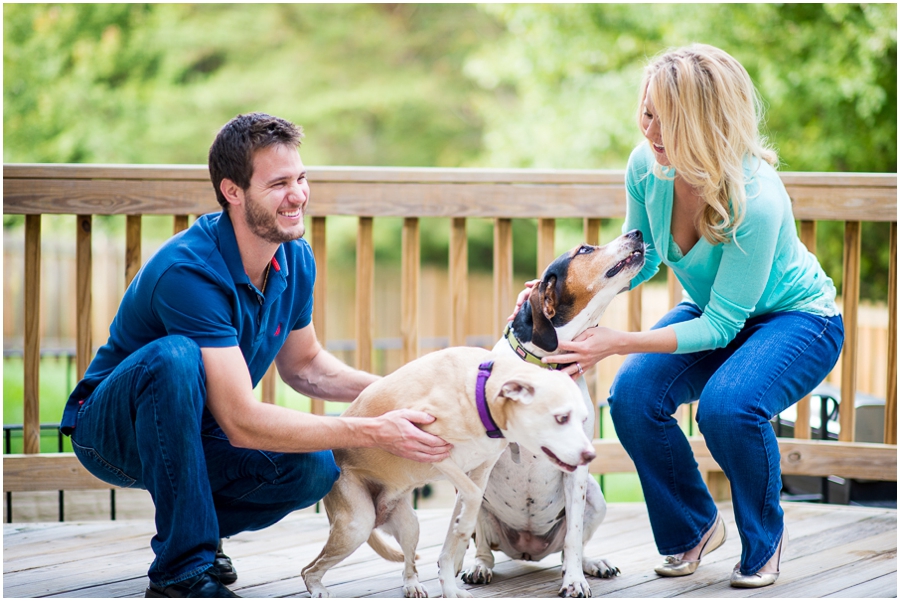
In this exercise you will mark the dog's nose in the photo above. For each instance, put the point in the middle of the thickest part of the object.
(587, 456)
(635, 235)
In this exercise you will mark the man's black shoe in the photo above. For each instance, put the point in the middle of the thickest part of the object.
(204, 585)
(223, 568)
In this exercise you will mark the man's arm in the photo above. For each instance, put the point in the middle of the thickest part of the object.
(251, 424)
(311, 370)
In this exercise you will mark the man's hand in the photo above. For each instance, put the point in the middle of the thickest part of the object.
(398, 434)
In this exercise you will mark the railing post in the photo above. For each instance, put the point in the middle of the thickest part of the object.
(673, 287)
(850, 296)
(503, 293)
(83, 280)
(320, 293)
(459, 281)
(802, 427)
(179, 223)
(31, 429)
(890, 407)
(635, 309)
(546, 238)
(591, 229)
(365, 284)
(409, 289)
(268, 383)
(132, 247)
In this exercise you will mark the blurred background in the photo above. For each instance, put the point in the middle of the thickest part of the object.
(425, 85)
(438, 85)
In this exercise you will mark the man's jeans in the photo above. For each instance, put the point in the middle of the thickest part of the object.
(146, 427)
(770, 365)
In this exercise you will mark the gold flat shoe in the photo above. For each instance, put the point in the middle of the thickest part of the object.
(759, 579)
(674, 565)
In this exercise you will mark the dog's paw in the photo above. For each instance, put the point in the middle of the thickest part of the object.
(479, 574)
(414, 591)
(575, 588)
(600, 568)
(457, 593)
(319, 593)
(317, 590)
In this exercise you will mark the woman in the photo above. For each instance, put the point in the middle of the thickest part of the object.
(758, 330)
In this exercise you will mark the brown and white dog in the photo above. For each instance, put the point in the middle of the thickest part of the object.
(530, 508)
(540, 410)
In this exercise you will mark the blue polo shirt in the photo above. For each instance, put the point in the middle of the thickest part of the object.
(196, 286)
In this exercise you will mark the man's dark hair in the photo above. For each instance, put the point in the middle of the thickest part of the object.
(231, 154)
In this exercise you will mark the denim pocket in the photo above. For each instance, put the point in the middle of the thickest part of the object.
(101, 468)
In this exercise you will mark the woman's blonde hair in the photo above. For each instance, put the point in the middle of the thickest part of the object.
(709, 114)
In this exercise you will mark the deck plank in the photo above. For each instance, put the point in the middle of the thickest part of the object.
(832, 551)
(883, 586)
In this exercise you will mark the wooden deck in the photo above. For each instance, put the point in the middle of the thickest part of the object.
(834, 551)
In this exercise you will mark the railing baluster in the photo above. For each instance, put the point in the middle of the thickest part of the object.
(365, 284)
(673, 287)
(132, 247)
(179, 223)
(459, 281)
(591, 228)
(546, 238)
(802, 425)
(850, 296)
(31, 431)
(504, 298)
(635, 309)
(890, 407)
(269, 383)
(83, 302)
(409, 289)
(320, 293)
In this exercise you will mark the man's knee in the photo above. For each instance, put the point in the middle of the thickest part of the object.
(176, 357)
(313, 474)
(174, 379)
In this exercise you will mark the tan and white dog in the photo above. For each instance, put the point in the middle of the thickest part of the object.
(530, 508)
(540, 410)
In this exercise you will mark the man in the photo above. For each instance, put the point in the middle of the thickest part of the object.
(167, 404)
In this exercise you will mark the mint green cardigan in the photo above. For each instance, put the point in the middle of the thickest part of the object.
(767, 270)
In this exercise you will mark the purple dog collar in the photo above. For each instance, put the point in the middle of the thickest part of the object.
(484, 372)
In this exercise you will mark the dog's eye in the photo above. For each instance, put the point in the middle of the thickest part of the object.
(585, 249)
(562, 419)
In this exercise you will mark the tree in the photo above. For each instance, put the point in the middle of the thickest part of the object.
(499, 85)
(128, 83)
(564, 83)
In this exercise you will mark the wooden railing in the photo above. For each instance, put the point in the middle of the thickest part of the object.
(371, 193)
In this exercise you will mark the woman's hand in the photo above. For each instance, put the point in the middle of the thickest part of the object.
(586, 350)
(523, 296)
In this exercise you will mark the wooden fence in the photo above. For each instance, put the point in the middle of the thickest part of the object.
(458, 194)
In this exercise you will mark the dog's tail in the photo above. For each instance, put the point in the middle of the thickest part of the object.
(380, 546)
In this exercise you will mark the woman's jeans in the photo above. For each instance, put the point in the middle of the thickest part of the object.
(145, 427)
(771, 364)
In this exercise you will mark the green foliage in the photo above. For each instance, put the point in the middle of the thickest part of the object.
(497, 85)
(565, 79)
(111, 83)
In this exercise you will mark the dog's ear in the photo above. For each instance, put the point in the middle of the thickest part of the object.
(543, 307)
(513, 390)
(549, 296)
(517, 390)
